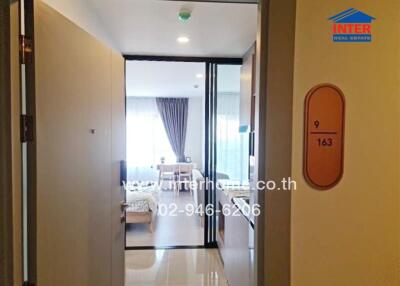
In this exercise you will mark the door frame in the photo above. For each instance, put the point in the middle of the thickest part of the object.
(209, 221)
(6, 217)
(275, 54)
(31, 163)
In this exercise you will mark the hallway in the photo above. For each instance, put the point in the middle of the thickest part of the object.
(174, 267)
(284, 130)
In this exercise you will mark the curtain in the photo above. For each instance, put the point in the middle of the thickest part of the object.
(232, 146)
(174, 113)
(147, 141)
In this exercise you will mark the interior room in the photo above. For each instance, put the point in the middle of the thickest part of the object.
(164, 187)
(154, 167)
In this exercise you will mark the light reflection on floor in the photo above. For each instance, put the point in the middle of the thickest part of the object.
(174, 267)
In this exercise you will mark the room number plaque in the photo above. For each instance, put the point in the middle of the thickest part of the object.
(323, 136)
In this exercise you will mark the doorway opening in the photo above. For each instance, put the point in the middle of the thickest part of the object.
(165, 133)
(171, 189)
(187, 218)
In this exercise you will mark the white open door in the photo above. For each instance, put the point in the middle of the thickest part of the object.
(75, 93)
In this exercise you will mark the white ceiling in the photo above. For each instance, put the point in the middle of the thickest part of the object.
(164, 79)
(150, 27)
(176, 79)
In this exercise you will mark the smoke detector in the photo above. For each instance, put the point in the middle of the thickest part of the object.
(184, 15)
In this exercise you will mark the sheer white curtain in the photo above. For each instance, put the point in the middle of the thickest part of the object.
(231, 145)
(147, 141)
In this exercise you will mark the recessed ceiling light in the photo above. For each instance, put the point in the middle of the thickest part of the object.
(183, 40)
(199, 75)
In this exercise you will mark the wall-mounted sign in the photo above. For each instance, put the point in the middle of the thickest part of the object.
(351, 25)
(323, 136)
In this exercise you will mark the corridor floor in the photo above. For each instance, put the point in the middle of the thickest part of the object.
(174, 267)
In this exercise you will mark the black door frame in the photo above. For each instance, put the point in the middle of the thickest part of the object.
(210, 144)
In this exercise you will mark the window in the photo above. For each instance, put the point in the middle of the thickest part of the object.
(147, 141)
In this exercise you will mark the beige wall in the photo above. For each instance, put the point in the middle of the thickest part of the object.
(82, 14)
(350, 234)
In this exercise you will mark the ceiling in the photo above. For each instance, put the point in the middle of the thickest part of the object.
(164, 79)
(176, 79)
(151, 27)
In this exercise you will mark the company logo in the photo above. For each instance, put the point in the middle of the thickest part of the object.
(351, 26)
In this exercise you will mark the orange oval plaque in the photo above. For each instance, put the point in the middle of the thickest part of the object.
(323, 136)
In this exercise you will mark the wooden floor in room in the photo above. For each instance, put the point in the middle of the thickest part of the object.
(182, 229)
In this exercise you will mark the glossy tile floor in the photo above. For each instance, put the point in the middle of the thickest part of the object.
(174, 267)
(182, 229)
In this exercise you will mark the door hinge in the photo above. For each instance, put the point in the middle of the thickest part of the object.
(25, 49)
(26, 128)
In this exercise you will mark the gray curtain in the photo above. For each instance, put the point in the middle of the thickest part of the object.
(174, 112)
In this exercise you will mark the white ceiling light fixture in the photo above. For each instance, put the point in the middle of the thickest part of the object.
(183, 40)
(199, 75)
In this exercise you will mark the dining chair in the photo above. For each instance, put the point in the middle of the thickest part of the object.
(168, 172)
(184, 176)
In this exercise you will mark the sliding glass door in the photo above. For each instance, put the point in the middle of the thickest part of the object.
(222, 149)
(210, 201)
(226, 148)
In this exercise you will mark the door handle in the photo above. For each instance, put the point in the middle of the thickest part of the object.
(124, 206)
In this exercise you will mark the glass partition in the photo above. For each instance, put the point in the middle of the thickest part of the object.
(232, 147)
